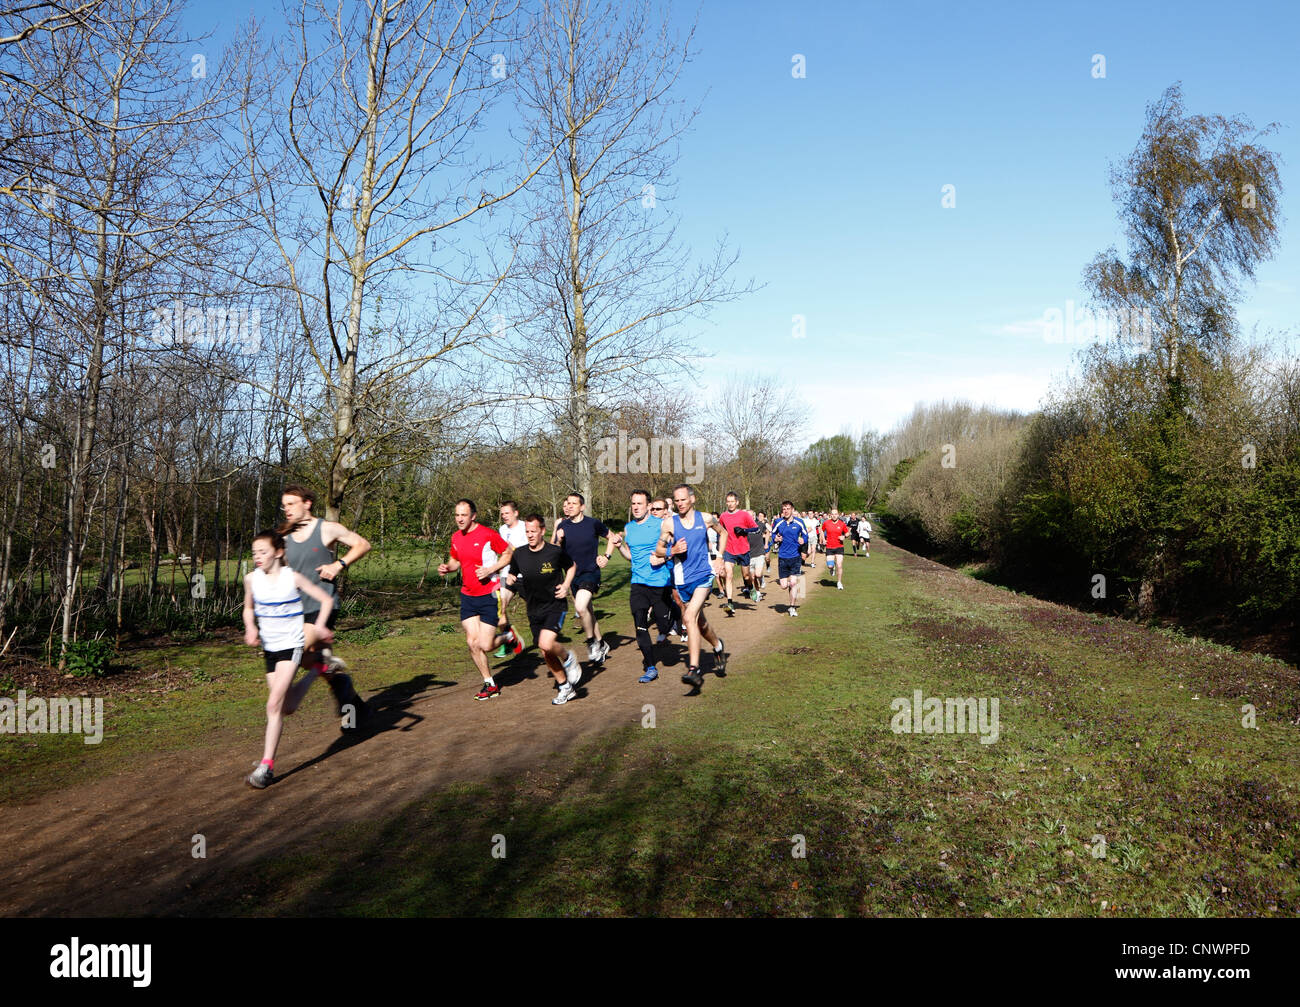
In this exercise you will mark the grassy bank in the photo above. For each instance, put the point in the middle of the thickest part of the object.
(1122, 782)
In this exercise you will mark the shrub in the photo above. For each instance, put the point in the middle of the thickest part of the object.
(89, 658)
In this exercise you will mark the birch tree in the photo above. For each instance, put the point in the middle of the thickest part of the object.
(1199, 198)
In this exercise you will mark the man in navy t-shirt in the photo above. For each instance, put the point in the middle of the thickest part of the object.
(792, 535)
(578, 535)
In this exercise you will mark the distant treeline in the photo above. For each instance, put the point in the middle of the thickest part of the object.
(1128, 491)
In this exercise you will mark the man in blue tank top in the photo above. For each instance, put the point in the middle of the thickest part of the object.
(685, 534)
(650, 575)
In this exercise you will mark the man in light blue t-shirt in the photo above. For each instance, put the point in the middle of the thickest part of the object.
(650, 575)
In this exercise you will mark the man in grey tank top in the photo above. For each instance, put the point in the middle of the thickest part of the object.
(308, 549)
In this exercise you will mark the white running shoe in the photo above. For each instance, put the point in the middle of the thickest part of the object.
(262, 777)
(566, 694)
(794, 612)
(840, 586)
(572, 672)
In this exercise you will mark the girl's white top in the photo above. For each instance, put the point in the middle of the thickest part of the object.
(278, 608)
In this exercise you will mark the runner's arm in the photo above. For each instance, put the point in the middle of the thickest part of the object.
(563, 590)
(313, 591)
(711, 521)
(665, 539)
(332, 532)
(484, 572)
(250, 620)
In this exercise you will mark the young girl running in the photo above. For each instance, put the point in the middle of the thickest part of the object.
(273, 606)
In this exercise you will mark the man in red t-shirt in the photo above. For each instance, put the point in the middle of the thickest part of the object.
(478, 553)
(834, 529)
(736, 549)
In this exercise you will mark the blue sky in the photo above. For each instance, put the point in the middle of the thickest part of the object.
(830, 185)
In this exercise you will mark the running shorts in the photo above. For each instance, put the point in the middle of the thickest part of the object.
(547, 617)
(310, 616)
(274, 657)
(685, 592)
(482, 606)
(731, 557)
(788, 567)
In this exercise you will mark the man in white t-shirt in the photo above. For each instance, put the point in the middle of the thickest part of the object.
(512, 530)
(864, 533)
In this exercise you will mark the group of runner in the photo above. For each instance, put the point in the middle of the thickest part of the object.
(678, 555)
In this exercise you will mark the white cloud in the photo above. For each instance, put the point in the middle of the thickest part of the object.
(855, 397)
(1030, 328)
(879, 400)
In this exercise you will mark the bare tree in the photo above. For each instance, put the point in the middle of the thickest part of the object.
(25, 21)
(758, 418)
(361, 157)
(114, 192)
(604, 288)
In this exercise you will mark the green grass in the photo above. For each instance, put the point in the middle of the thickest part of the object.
(214, 693)
(1101, 752)
(1113, 739)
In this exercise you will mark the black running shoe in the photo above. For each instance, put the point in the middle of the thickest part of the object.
(693, 677)
(360, 712)
(341, 686)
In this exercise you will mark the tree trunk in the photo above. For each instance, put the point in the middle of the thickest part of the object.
(88, 415)
(9, 527)
(581, 377)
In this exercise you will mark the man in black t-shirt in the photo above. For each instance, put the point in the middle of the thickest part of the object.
(578, 535)
(542, 573)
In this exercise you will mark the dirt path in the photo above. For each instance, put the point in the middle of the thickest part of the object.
(122, 845)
